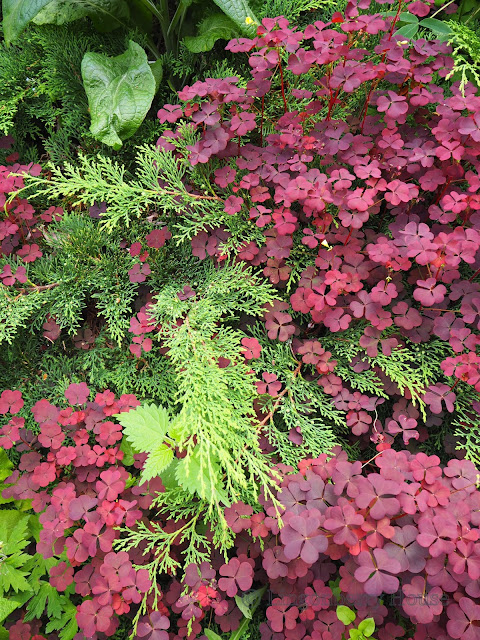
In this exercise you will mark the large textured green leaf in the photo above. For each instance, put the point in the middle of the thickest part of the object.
(145, 427)
(215, 27)
(241, 14)
(106, 14)
(157, 461)
(17, 14)
(120, 91)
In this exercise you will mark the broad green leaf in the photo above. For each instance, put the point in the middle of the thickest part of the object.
(408, 17)
(128, 452)
(195, 477)
(4, 634)
(157, 461)
(105, 14)
(215, 27)
(7, 606)
(145, 427)
(211, 635)
(241, 14)
(345, 614)
(157, 70)
(17, 14)
(437, 26)
(408, 31)
(168, 476)
(120, 91)
(367, 627)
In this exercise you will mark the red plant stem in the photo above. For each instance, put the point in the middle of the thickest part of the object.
(474, 275)
(348, 237)
(447, 184)
(395, 20)
(331, 104)
(454, 385)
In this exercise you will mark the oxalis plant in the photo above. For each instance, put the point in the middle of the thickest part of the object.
(120, 90)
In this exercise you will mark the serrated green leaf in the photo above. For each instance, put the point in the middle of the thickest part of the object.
(242, 15)
(367, 627)
(213, 28)
(7, 606)
(13, 531)
(438, 27)
(34, 526)
(6, 465)
(46, 597)
(120, 91)
(12, 578)
(408, 31)
(4, 634)
(145, 427)
(66, 624)
(157, 461)
(17, 14)
(345, 614)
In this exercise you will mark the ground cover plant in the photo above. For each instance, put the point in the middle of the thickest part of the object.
(247, 388)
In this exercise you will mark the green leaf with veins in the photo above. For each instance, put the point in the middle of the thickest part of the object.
(158, 460)
(144, 427)
(17, 14)
(213, 28)
(242, 15)
(120, 91)
(106, 15)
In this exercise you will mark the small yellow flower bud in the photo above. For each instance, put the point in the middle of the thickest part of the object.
(248, 20)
